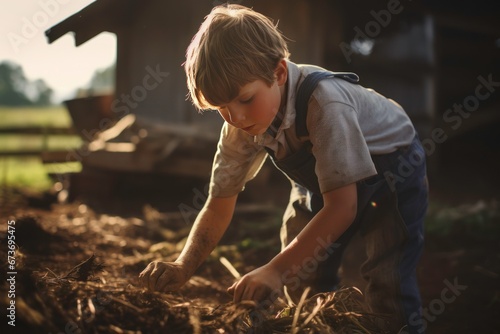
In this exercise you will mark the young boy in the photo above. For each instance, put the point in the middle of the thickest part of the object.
(352, 156)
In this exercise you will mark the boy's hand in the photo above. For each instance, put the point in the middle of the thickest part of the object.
(259, 284)
(163, 276)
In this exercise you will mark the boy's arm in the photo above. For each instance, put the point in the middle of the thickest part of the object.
(326, 227)
(337, 214)
(210, 225)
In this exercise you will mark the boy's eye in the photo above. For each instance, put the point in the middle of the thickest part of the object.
(247, 101)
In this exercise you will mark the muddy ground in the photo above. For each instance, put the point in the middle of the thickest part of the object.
(56, 291)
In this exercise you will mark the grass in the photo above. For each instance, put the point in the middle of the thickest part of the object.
(36, 142)
(54, 116)
(30, 172)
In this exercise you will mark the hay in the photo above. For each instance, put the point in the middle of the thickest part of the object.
(57, 293)
(100, 308)
(340, 312)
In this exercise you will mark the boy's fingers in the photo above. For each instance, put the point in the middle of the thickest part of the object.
(239, 293)
(151, 281)
(144, 277)
(231, 289)
(164, 281)
(264, 293)
(159, 277)
(152, 275)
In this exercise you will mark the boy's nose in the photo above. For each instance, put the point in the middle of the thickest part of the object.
(236, 116)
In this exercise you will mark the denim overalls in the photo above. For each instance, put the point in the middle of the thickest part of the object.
(390, 214)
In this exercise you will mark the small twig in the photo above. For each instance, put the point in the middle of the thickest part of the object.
(355, 321)
(230, 267)
(317, 308)
(53, 273)
(116, 329)
(75, 268)
(81, 313)
(289, 299)
(91, 310)
(297, 310)
(79, 308)
(124, 303)
(88, 262)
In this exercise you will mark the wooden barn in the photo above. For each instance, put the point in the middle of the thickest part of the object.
(427, 55)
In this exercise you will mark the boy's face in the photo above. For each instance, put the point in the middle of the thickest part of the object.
(257, 103)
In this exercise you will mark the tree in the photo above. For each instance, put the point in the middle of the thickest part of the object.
(103, 80)
(44, 92)
(16, 90)
(13, 85)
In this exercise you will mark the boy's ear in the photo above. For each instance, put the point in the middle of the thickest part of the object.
(281, 72)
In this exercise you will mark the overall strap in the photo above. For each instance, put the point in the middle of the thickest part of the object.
(304, 94)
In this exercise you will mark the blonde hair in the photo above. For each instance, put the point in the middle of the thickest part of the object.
(234, 46)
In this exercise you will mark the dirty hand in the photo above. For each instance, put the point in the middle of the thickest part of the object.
(163, 276)
(259, 284)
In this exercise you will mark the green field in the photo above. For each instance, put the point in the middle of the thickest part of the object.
(29, 172)
(26, 116)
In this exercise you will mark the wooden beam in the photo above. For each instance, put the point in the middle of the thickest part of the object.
(37, 130)
(46, 156)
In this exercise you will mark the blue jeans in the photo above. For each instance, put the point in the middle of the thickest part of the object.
(391, 211)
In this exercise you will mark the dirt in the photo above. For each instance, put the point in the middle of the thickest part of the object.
(459, 274)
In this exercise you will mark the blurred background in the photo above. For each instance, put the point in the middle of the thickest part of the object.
(93, 108)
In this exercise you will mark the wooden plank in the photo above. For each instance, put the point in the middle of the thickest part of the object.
(20, 153)
(36, 130)
(58, 156)
(146, 162)
(46, 156)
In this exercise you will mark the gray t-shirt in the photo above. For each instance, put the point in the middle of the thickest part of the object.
(347, 123)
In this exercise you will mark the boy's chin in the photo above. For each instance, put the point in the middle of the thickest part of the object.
(257, 132)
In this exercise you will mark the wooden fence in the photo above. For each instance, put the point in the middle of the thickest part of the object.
(47, 156)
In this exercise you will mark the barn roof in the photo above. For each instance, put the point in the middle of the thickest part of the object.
(99, 16)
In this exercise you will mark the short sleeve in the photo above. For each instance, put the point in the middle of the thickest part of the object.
(340, 149)
(238, 160)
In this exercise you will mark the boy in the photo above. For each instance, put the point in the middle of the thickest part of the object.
(342, 153)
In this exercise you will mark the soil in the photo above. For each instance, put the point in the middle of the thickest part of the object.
(77, 266)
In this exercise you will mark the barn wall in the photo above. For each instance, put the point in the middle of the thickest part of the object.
(156, 40)
(161, 31)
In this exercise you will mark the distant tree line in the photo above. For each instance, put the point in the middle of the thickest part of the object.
(17, 90)
(102, 82)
